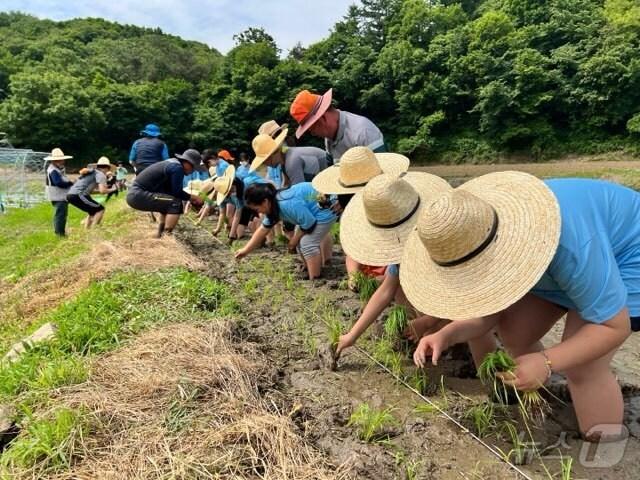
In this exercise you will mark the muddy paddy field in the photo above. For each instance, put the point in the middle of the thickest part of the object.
(286, 319)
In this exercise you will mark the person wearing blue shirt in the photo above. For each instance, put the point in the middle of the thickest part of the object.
(547, 249)
(299, 205)
(148, 150)
(243, 168)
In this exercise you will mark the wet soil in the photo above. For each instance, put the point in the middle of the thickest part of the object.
(284, 316)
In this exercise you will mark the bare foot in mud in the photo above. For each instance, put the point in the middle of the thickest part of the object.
(327, 357)
(422, 326)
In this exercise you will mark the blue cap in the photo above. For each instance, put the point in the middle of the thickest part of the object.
(151, 130)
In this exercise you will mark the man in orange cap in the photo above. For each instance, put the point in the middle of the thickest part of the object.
(341, 130)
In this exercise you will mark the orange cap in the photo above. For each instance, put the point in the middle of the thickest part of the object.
(308, 107)
(225, 154)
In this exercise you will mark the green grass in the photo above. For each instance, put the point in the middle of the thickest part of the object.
(28, 244)
(49, 443)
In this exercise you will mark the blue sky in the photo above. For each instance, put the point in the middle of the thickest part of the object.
(213, 22)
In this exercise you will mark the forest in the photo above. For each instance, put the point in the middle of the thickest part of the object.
(446, 81)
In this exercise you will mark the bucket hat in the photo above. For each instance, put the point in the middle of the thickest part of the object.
(151, 130)
(377, 221)
(358, 166)
(481, 247)
(192, 156)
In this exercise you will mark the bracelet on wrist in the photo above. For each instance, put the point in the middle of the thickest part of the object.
(547, 364)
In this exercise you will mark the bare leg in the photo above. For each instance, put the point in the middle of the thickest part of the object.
(231, 211)
(595, 392)
(352, 267)
(171, 221)
(326, 248)
(314, 266)
(96, 219)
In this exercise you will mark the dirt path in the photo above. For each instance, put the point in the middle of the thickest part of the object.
(283, 316)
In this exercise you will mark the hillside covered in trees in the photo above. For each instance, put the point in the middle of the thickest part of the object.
(445, 80)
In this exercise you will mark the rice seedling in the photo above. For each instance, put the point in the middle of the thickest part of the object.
(420, 381)
(483, 418)
(396, 321)
(365, 286)
(371, 423)
(334, 331)
(424, 408)
(250, 286)
(520, 453)
(566, 464)
(311, 343)
(531, 404)
(409, 468)
(384, 353)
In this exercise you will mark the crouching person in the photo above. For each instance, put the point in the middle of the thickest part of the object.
(298, 205)
(159, 189)
(80, 193)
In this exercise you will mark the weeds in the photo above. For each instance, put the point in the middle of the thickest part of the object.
(371, 423)
(397, 321)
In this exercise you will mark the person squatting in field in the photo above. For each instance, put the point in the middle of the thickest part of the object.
(159, 189)
(511, 252)
(80, 193)
(298, 205)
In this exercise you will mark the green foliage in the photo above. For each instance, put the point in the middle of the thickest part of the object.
(49, 443)
(372, 423)
(459, 81)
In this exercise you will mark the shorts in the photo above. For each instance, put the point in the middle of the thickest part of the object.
(153, 202)
(635, 324)
(85, 203)
(246, 215)
(288, 227)
(310, 243)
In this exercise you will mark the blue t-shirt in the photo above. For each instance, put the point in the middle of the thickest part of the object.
(251, 178)
(596, 269)
(393, 270)
(221, 166)
(299, 205)
(275, 175)
(242, 171)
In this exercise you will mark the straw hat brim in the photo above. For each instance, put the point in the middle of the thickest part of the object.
(260, 159)
(375, 246)
(95, 165)
(49, 158)
(205, 187)
(525, 243)
(229, 175)
(328, 180)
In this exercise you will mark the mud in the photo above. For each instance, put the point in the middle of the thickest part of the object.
(283, 316)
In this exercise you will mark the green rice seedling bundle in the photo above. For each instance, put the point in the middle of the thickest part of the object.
(397, 321)
(371, 423)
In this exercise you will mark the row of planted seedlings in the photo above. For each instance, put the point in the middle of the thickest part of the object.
(507, 416)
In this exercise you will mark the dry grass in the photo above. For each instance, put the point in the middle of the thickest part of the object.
(180, 402)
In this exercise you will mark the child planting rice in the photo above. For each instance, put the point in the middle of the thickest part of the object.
(374, 228)
(80, 192)
(298, 205)
(507, 250)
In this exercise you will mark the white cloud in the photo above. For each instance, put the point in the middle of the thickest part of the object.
(212, 22)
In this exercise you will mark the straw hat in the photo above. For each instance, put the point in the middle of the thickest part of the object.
(199, 187)
(103, 162)
(271, 128)
(264, 146)
(57, 154)
(357, 166)
(378, 220)
(480, 248)
(224, 183)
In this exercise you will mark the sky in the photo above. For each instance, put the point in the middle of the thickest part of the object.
(213, 22)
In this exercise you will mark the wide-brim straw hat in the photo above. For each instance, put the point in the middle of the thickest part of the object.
(199, 187)
(264, 146)
(480, 248)
(57, 154)
(356, 168)
(271, 128)
(224, 183)
(376, 223)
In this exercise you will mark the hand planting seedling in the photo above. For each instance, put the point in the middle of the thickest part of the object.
(499, 365)
(372, 423)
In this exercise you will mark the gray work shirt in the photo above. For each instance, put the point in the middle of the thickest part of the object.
(301, 164)
(354, 131)
(87, 183)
